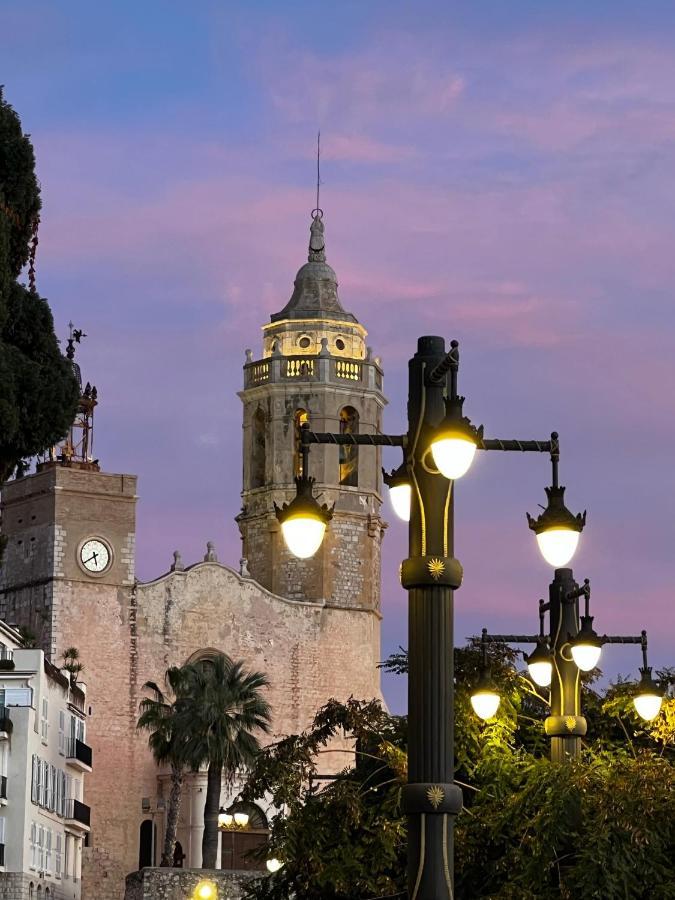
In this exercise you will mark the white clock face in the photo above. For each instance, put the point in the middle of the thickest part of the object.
(95, 556)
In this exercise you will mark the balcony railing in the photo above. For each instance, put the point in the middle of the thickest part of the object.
(79, 752)
(3, 787)
(77, 811)
(366, 372)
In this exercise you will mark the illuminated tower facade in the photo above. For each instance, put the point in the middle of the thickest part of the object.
(315, 367)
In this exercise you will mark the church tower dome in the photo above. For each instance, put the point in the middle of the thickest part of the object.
(315, 367)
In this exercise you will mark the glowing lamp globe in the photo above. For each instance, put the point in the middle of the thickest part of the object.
(223, 817)
(586, 656)
(586, 646)
(485, 703)
(241, 819)
(540, 665)
(453, 454)
(557, 529)
(303, 535)
(541, 672)
(273, 865)
(455, 441)
(648, 706)
(205, 890)
(649, 697)
(558, 545)
(401, 496)
(303, 521)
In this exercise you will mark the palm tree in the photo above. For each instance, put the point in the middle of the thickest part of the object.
(221, 713)
(159, 717)
(72, 664)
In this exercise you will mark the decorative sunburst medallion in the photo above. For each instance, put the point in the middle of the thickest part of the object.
(436, 568)
(570, 721)
(435, 795)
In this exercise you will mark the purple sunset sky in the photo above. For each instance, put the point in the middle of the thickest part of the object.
(499, 173)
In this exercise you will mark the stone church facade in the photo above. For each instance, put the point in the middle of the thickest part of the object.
(313, 626)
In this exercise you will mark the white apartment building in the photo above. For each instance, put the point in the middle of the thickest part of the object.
(43, 761)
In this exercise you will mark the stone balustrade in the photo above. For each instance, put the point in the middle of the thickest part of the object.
(325, 369)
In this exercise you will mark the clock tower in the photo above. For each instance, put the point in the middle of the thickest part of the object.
(70, 532)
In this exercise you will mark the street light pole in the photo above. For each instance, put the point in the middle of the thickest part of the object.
(439, 446)
(566, 725)
(431, 574)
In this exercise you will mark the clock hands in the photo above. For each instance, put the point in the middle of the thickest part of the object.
(93, 556)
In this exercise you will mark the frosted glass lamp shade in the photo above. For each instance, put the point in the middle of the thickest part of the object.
(453, 454)
(400, 496)
(558, 545)
(647, 706)
(586, 656)
(303, 535)
(485, 703)
(541, 672)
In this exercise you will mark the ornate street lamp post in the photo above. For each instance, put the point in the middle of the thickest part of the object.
(558, 659)
(438, 448)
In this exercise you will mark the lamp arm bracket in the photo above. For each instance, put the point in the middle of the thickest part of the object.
(506, 639)
(583, 591)
(621, 639)
(515, 445)
(373, 440)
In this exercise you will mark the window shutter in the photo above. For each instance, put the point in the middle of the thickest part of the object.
(59, 846)
(62, 732)
(52, 794)
(33, 845)
(34, 781)
(44, 721)
(41, 847)
(48, 855)
(63, 793)
(44, 775)
(2, 830)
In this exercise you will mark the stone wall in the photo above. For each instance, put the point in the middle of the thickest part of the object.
(16, 886)
(311, 652)
(179, 884)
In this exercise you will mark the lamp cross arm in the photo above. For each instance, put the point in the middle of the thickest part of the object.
(373, 440)
(517, 445)
(506, 639)
(621, 639)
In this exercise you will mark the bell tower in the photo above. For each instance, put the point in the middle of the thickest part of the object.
(315, 367)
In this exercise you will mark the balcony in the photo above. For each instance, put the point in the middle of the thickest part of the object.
(79, 755)
(337, 370)
(2, 856)
(6, 659)
(5, 723)
(77, 816)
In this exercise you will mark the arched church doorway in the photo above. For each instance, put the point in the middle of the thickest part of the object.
(238, 844)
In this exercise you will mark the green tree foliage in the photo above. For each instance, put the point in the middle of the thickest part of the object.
(220, 714)
(602, 827)
(38, 391)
